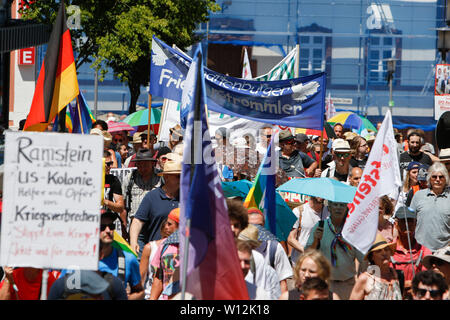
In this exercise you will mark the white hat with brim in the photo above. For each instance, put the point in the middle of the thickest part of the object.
(442, 254)
(171, 166)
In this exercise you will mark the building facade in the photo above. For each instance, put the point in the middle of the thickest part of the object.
(350, 40)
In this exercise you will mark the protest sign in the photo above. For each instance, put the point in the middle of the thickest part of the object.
(380, 177)
(51, 206)
(121, 173)
(441, 90)
(298, 102)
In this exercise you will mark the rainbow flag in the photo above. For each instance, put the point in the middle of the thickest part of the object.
(262, 194)
(121, 243)
(79, 118)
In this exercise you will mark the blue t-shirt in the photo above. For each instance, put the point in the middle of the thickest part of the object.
(110, 264)
(154, 208)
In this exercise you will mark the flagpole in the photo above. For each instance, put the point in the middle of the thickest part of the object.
(79, 116)
(297, 60)
(149, 115)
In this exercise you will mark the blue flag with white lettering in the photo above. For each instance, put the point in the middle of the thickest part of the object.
(296, 102)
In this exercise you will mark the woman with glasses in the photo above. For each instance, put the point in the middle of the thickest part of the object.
(432, 207)
(360, 150)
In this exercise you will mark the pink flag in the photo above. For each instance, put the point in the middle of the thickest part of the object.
(380, 177)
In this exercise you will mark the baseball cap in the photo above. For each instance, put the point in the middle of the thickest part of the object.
(414, 165)
(404, 212)
(301, 137)
(340, 145)
(285, 135)
(90, 282)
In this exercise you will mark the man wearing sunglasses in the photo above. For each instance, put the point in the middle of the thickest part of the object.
(432, 207)
(428, 285)
(294, 163)
(119, 263)
(113, 199)
(340, 166)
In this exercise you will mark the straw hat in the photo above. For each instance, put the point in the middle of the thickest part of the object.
(137, 138)
(172, 166)
(250, 234)
(350, 135)
(441, 254)
(444, 155)
(106, 135)
(380, 243)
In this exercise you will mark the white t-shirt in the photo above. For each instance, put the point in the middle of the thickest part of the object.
(309, 219)
(281, 262)
(265, 276)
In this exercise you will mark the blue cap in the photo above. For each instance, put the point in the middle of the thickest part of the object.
(414, 165)
(91, 282)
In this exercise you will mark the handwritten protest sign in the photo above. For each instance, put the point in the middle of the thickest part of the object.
(51, 200)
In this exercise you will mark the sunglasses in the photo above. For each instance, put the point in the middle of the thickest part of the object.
(109, 163)
(437, 177)
(433, 293)
(342, 155)
(111, 226)
(118, 140)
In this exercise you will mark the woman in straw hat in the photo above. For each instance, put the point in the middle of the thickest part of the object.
(381, 282)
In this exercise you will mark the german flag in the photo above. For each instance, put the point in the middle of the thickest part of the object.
(57, 84)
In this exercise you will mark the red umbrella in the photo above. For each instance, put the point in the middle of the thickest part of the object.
(119, 126)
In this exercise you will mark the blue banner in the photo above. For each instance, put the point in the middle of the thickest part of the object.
(296, 102)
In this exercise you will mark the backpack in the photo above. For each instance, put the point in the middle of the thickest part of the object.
(69, 294)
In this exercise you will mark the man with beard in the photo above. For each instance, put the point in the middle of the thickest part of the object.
(415, 142)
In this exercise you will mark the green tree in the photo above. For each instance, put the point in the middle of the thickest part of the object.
(118, 33)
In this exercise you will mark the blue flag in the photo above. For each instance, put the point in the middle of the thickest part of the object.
(213, 271)
(296, 102)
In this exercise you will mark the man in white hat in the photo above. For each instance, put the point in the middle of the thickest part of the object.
(439, 262)
(340, 166)
(444, 157)
(156, 206)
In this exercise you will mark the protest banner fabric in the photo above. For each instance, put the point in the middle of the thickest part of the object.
(262, 194)
(246, 71)
(57, 83)
(380, 177)
(51, 215)
(209, 257)
(296, 102)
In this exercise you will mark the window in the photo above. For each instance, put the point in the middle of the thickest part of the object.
(312, 55)
(381, 47)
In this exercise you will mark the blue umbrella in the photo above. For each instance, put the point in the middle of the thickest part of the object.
(285, 217)
(325, 188)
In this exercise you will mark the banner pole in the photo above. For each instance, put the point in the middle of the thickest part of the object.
(44, 284)
(149, 115)
(297, 61)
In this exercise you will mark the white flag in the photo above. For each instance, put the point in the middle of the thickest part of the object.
(380, 177)
(246, 71)
(330, 111)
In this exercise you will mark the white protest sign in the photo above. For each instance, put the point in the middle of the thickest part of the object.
(51, 202)
(121, 173)
(380, 177)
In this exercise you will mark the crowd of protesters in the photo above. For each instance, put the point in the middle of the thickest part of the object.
(409, 259)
